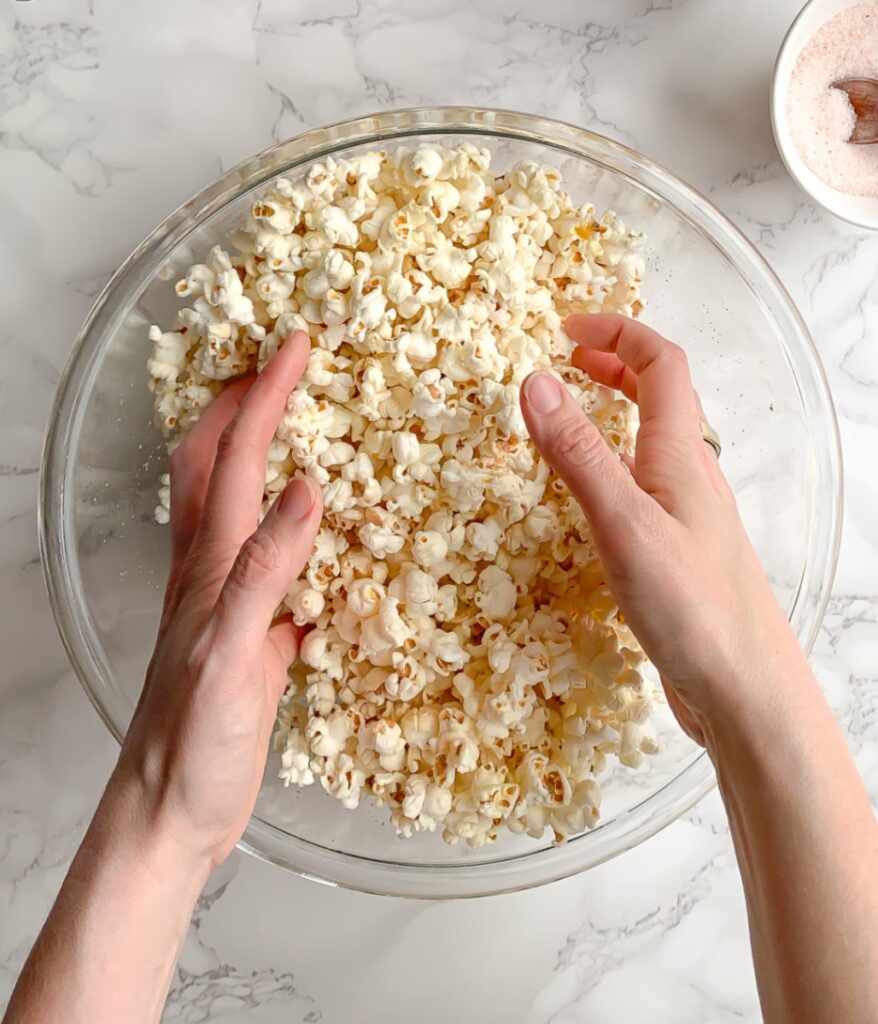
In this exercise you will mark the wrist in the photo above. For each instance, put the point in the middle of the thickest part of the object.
(770, 698)
(153, 772)
(129, 827)
(749, 675)
(109, 949)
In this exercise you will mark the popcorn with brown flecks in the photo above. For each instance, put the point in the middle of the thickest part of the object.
(467, 665)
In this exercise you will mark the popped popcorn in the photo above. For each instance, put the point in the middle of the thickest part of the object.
(467, 665)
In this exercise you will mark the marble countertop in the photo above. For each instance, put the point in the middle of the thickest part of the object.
(110, 115)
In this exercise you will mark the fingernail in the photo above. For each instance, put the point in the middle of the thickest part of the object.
(297, 499)
(543, 393)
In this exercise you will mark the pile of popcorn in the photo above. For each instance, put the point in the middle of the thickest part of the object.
(468, 666)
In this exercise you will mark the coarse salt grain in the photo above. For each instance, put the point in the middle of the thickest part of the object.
(821, 118)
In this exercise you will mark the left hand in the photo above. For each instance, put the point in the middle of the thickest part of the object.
(197, 744)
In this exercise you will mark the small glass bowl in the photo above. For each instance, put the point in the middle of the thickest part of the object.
(752, 360)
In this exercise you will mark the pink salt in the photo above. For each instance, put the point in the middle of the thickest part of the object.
(821, 118)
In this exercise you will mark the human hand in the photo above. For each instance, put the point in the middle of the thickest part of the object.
(667, 529)
(197, 743)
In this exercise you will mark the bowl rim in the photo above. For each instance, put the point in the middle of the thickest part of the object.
(262, 839)
(785, 146)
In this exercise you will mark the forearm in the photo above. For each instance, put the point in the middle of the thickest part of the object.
(109, 947)
(807, 844)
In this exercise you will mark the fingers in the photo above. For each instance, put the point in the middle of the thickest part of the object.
(606, 368)
(665, 396)
(574, 448)
(237, 483)
(284, 638)
(281, 650)
(670, 461)
(268, 562)
(192, 463)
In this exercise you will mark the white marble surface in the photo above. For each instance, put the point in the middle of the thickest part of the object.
(110, 115)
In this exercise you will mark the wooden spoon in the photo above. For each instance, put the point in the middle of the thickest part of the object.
(863, 94)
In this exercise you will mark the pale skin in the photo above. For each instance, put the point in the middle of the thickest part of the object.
(685, 578)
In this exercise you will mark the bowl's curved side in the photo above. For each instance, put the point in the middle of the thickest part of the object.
(57, 542)
(60, 571)
(461, 880)
(861, 211)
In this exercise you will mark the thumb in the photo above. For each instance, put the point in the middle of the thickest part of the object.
(574, 448)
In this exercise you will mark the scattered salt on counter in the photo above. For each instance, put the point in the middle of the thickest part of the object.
(821, 118)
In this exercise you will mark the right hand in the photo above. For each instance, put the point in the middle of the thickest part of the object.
(666, 527)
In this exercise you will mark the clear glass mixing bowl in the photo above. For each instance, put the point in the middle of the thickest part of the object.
(753, 362)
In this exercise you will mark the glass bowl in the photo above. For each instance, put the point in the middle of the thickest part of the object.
(753, 362)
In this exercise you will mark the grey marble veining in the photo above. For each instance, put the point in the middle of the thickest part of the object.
(110, 115)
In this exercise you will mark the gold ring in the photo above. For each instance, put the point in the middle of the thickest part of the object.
(711, 437)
